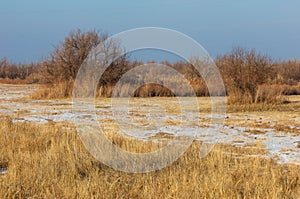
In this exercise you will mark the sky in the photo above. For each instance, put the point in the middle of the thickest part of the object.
(30, 29)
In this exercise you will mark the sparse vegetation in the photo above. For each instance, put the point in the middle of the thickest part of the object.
(249, 77)
(18, 73)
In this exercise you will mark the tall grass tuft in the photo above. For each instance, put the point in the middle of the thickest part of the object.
(58, 90)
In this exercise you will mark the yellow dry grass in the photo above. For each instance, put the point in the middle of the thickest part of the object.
(48, 161)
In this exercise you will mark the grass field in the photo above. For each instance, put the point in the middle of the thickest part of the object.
(42, 156)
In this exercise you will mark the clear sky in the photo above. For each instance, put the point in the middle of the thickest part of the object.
(30, 28)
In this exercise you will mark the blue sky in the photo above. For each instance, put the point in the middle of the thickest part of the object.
(30, 28)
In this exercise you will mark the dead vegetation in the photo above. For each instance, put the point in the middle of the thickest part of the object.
(49, 161)
(45, 161)
(249, 77)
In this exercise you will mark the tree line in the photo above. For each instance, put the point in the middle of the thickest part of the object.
(13, 71)
(249, 77)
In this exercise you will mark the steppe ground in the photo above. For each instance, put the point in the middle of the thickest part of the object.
(41, 155)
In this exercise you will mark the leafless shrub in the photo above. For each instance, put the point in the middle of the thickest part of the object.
(12, 73)
(59, 72)
(287, 72)
(67, 58)
(243, 71)
(249, 77)
(271, 94)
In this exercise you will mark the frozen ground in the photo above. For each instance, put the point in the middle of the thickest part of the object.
(2, 171)
(277, 132)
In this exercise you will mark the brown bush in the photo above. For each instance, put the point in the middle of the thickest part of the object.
(59, 72)
(152, 90)
(291, 90)
(67, 58)
(271, 94)
(16, 73)
(287, 72)
(243, 71)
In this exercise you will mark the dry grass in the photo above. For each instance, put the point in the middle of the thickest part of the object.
(265, 95)
(271, 94)
(59, 90)
(48, 161)
(13, 81)
(255, 131)
(262, 107)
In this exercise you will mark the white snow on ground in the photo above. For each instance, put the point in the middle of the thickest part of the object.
(283, 147)
(3, 171)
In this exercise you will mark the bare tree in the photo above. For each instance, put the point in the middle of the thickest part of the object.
(67, 58)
